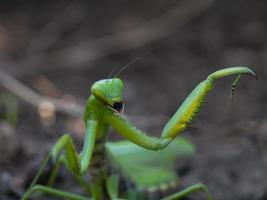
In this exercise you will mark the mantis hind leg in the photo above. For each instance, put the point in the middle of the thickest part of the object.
(187, 191)
(54, 192)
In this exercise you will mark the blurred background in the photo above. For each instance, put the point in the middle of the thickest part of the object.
(52, 51)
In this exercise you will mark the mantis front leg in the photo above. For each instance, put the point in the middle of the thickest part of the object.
(180, 120)
(77, 164)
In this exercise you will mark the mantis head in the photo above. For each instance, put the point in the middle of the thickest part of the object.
(109, 92)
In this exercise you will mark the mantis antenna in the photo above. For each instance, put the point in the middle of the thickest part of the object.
(112, 71)
(135, 59)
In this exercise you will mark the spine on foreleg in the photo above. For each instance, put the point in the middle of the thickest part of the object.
(230, 71)
(191, 106)
(187, 111)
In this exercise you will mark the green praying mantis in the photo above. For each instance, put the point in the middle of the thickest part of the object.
(140, 167)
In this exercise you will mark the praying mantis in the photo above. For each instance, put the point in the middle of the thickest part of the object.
(140, 167)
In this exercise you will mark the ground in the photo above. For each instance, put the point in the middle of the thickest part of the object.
(45, 46)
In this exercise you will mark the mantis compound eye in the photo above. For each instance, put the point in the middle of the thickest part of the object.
(118, 106)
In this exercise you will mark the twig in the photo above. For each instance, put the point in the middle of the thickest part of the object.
(28, 95)
(69, 108)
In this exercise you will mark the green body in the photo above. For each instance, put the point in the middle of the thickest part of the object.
(142, 164)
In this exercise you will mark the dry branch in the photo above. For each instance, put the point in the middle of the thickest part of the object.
(72, 109)
(28, 95)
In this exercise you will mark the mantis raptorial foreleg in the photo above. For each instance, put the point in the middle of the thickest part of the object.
(84, 184)
(77, 164)
(180, 120)
(48, 189)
